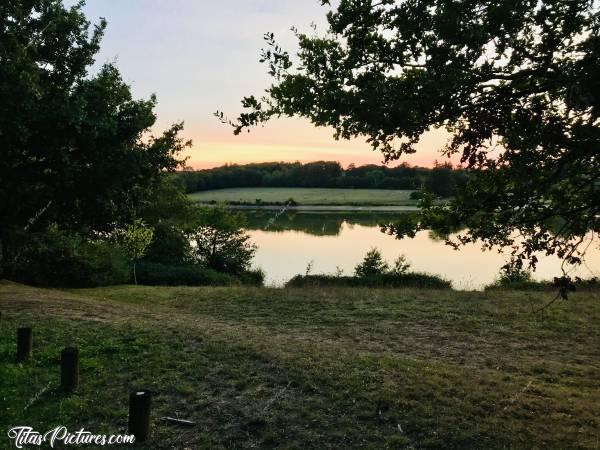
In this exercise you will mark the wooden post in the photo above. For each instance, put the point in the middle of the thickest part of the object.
(24, 344)
(69, 369)
(139, 414)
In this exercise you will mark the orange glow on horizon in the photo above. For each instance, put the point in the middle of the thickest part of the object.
(291, 140)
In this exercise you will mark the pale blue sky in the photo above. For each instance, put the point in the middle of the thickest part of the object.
(199, 56)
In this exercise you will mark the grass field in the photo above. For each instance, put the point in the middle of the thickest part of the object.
(308, 196)
(311, 369)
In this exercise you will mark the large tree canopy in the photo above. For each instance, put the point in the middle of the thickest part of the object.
(517, 83)
(75, 149)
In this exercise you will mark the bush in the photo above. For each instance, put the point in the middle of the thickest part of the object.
(220, 241)
(169, 246)
(254, 277)
(386, 280)
(579, 284)
(373, 271)
(517, 279)
(58, 259)
(157, 274)
(372, 265)
(512, 275)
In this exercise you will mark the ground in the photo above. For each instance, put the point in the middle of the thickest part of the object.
(308, 196)
(311, 369)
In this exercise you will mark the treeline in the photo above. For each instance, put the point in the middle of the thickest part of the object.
(441, 180)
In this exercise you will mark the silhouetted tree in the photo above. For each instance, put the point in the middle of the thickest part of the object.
(517, 83)
(75, 147)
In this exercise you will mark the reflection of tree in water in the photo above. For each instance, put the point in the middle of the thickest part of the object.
(317, 223)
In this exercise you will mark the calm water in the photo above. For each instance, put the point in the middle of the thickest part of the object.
(330, 240)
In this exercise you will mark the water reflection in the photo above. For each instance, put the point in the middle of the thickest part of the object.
(317, 223)
(341, 239)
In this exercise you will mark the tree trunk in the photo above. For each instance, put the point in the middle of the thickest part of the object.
(134, 274)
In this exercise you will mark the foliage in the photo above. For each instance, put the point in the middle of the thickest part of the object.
(381, 280)
(76, 148)
(515, 83)
(373, 264)
(441, 181)
(324, 174)
(135, 240)
(401, 266)
(416, 195)
(168, 205)
(169, 246)
(309, 267)
(155, 273)
(56, 258)
(220, 243)
(252, 277)
(591, 284)
(373, 271)
(509, 274)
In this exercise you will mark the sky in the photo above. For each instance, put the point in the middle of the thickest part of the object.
(199, 56)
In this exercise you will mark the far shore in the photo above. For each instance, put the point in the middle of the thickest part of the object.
(322, 208)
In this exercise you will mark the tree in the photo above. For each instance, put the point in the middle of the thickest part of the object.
(516, 83)
(221, 243)
(373, 264)
(441, 181)
(135, 239)
(76, 149)
(173, 216)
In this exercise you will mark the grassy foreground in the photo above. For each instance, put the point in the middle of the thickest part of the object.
(308, 196)
(311, 369)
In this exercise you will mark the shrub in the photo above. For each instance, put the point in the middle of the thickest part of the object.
(220, 241)
(58, 259)
(512, 275)
(170, 246)
(416, 195)
(157, 274)
(255, 277)
(373, 264)
(387, 280)
(373, 272)
(401, 266)
(591, 284)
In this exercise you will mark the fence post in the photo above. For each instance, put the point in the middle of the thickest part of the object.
(69, 369)
(139, 414)
(24, 344)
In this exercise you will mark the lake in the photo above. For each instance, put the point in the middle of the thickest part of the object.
(288, 242)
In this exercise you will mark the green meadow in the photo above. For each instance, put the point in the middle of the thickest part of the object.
(311, 368)
(307, 196)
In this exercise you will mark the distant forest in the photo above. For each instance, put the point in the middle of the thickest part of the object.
(441, 180)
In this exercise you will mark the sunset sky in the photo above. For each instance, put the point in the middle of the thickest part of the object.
(199, 56)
